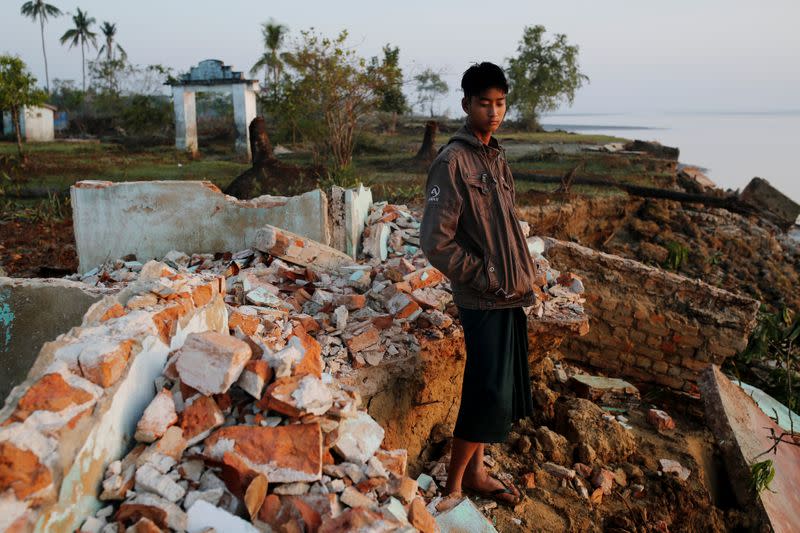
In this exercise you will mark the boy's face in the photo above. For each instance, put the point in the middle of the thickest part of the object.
(485, 111)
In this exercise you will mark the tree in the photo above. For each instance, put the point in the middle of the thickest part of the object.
(392, 99)
(17, 90)
(81, 34)
(543, 75)
(109, 31)
(38, 9)
(273, 35)
(107, 71)
(430, 86)
(329, 89)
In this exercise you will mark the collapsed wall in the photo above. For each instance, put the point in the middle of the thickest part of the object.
(82, 399)
(311, 342)
(147, 219)
(652, 325)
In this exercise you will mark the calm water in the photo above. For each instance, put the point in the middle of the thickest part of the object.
(733, 147)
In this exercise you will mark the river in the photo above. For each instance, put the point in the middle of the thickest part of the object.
(732, 147)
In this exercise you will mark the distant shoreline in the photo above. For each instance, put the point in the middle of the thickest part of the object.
(591, 127)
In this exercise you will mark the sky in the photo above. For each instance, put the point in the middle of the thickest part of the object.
(698, 55)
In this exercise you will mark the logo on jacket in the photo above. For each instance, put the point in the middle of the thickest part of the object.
(434, 194)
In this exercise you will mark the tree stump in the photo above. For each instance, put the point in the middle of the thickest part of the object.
(269, 175)
(427, 152)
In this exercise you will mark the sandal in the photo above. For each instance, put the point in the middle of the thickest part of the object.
(496, 494)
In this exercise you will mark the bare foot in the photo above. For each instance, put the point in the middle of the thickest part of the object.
(449, 501)
(485, 484)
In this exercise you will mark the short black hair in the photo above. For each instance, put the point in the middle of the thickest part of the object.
(481, 76)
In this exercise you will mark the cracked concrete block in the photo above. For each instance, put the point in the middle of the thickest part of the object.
(299, 250)
(32, 312)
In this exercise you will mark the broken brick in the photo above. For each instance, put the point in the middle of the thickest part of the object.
(104, 362)
(660, 419)
(22, 471)
(284, 454)
(427, 277)
(296, 396)
(246, 321)
(254, 377)
(115, 311)
(370, 337)
(53, 393)
(420, 518)
(395, 461)
(200, 416)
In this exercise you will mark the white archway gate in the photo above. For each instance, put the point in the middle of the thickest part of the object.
(211, 75)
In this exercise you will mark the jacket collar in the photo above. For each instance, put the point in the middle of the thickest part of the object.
(465, 135)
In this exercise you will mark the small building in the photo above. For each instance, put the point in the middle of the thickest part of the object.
(36, 123)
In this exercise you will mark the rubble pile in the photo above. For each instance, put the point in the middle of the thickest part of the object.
(254, 422)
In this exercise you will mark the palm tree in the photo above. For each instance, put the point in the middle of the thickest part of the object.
(109, 32)
(81, 34)
(273, 34)
(38, 9)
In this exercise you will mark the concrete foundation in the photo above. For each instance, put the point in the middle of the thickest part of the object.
(32, 312)
(149, 219)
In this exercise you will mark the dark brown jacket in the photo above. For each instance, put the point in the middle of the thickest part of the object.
(470, 231)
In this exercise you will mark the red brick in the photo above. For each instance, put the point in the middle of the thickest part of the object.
(660, 419)
(200, 417)
(426, 277)
(115, 311)
(283, 454)
(104, 368)
(21, 471)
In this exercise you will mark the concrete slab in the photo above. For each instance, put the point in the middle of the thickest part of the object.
(356, 210)
(151, 218)
(742, 430)
(32, 312)
(595, 387)
(786, 418)
(464, 517)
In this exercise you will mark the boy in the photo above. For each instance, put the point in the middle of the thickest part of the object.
(471, 234)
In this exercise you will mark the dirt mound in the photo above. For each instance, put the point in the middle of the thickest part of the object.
(583, 422)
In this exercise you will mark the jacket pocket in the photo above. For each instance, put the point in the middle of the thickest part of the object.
(480, 195)
(490, 270)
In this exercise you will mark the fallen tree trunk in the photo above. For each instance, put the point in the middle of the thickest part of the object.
(731, 203)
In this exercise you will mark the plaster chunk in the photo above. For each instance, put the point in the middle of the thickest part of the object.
(148, 479)
(158, 416)
(163, 513)
(212, 496)
(210, 362)
(359, 438)
(203, 516)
